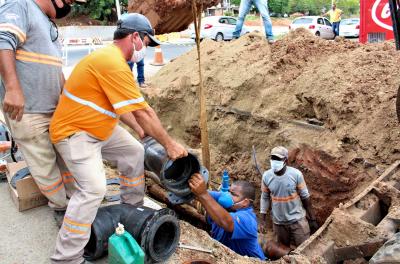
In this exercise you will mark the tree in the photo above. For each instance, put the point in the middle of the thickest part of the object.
(103, 10)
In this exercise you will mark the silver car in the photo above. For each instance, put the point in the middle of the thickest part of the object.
(349, 27)
(218, 28)
(317, 25)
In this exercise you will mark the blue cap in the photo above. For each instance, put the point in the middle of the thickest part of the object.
(134, 22)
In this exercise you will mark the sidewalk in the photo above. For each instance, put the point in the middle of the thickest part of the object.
(29, 237)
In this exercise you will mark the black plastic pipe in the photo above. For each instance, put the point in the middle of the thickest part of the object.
(157, 232)
(173, 175)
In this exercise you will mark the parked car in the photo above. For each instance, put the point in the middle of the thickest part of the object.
(218, 28)
(349, 27)
(318, 26)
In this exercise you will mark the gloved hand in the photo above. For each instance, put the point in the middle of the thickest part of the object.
(313, 226)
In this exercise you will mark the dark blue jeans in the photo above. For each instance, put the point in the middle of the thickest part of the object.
(335, 27)
(140, 70)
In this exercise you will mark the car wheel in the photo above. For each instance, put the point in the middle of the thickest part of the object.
(317, 34)
(219, 37)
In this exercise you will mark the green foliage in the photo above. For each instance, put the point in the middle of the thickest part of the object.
(235, 2)
(228, 13)
(103, 10)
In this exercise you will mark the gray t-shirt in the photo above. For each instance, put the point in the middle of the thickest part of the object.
(286, 192)
(26, 30)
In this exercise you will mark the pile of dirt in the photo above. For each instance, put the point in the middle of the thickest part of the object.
(193, 237)
(267, 95)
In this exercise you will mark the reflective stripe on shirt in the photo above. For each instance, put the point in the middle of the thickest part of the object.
(128, 102)
(90, 104)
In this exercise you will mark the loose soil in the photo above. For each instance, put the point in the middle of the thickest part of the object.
(331, 103)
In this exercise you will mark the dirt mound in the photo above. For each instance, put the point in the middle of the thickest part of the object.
(332, 103)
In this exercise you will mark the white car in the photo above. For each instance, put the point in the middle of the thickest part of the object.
(317, 25)
(349, 27)
(218, 28)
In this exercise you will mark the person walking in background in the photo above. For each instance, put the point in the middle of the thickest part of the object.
(244, 9)
(140, 72)
(335, 15)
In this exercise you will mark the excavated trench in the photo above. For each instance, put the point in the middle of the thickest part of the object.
(331, 103)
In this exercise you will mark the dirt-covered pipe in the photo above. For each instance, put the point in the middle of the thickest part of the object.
(157, 232)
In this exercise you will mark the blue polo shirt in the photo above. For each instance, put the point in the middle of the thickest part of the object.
(243, 240)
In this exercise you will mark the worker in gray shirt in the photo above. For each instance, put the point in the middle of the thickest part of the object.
(31, 83)
(284, 188)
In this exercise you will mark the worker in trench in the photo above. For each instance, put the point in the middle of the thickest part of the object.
(101, 91)
(231, 215)
(284, 188)
(30, 87)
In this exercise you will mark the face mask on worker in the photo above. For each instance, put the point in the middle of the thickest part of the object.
(61, 11)
(277, 165)
(226, 201)
(138, 55)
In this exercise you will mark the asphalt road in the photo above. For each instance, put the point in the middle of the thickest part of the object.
(170, 51)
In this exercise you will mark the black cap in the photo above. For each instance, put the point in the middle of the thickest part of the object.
(134, 22)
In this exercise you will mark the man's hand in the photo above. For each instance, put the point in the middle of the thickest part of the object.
(13, 104)
(175, 150)
(313, 226)
(197, 184)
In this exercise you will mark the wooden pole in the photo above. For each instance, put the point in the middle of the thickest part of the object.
(205, 148)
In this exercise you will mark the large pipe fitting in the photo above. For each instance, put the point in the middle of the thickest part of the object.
(173, 175)
(157, 232)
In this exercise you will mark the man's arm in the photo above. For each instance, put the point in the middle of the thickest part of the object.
(309, 210)
(302, 190)
(265, 203)
(217, 213)
(14, 101)
(151, 125)
(312, 221)
(129, 120)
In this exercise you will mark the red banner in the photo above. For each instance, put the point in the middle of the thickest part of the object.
(375, 20)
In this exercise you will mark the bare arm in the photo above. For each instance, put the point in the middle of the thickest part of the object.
(151, 125)
(129, 120)
(265, 204)
(309, 210)
(14, 101)
(217, 213)
(312, 221)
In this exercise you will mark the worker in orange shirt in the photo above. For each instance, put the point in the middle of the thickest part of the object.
(84, 129)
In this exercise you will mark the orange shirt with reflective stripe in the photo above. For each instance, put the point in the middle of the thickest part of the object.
(103, 78)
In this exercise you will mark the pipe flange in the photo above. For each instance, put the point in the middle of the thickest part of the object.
(154, 231)
(176, 199)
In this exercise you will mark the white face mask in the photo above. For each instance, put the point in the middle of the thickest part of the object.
(138, 55)
(277, 165)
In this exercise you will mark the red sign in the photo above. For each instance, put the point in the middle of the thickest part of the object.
(375, 21)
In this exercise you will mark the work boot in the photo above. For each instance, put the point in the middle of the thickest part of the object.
(59, 217)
